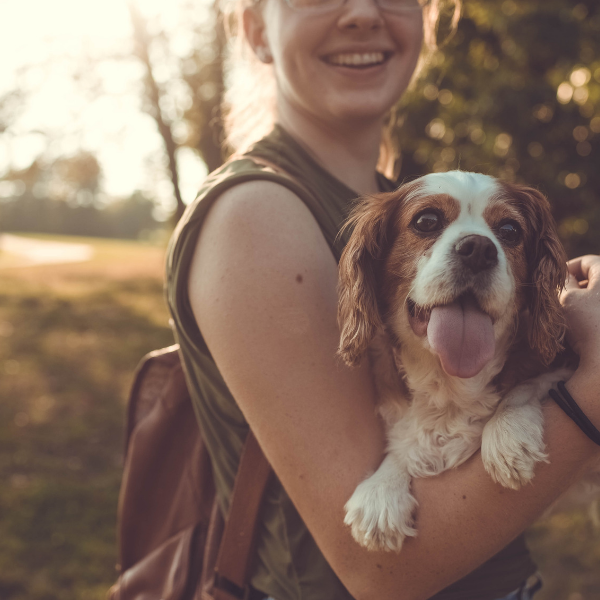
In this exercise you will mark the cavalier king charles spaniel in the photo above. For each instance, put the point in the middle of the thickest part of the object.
(451, 283)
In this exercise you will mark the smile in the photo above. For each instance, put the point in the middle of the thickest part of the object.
(357, 60)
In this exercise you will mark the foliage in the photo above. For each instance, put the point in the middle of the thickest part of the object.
(129, 218)
(63, 197)
(516, 94)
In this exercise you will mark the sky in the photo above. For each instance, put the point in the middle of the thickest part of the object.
(42, 43)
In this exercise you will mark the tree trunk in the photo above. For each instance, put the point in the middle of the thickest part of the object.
(154, 94)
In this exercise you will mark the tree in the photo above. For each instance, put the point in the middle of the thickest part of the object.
(153, 96)
(61, 196)
(201, 72)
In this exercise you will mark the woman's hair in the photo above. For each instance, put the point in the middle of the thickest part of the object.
(250, 99)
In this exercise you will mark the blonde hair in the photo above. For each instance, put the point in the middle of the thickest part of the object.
(250, 99)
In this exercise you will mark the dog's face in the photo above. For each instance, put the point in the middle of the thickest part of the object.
(448, 256)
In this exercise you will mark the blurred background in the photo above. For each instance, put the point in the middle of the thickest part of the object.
(109, 121)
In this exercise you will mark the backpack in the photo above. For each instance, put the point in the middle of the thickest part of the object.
(174, 543)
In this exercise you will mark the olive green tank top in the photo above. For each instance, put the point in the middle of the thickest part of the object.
(288, 564)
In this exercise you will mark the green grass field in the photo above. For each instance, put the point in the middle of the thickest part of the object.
(70, 337)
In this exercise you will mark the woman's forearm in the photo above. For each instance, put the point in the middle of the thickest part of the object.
(464, 518)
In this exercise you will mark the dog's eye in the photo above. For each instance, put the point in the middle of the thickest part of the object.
(428, 221)
(510, 232)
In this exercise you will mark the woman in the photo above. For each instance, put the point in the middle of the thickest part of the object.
(252, 290)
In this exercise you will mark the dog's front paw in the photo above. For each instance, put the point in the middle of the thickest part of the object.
(381, 513)
(512, 443)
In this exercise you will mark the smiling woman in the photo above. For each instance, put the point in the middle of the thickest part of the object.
(260, 244)
(251, 96)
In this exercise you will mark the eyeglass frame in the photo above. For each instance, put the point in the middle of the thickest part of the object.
(324, 8)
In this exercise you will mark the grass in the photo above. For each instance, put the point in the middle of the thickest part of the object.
(70, 337)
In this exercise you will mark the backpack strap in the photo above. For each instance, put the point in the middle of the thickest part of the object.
(239, 535)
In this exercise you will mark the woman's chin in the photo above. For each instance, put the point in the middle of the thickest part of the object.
(359, 108)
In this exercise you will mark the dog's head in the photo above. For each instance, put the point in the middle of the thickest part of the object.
(450, 255)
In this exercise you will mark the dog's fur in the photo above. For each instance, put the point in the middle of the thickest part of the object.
(391, 275)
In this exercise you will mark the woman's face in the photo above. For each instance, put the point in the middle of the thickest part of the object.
(352, 63)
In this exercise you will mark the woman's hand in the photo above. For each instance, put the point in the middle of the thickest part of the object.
(581, 301)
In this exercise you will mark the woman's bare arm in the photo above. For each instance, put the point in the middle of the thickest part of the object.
(263, 290)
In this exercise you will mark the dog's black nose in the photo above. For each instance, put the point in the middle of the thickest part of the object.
(477, 252)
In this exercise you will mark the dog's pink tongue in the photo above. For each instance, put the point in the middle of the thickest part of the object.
(462, 335)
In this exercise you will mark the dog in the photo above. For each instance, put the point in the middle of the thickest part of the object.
(451, 283)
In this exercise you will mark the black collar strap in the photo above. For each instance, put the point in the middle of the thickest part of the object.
(571, 408)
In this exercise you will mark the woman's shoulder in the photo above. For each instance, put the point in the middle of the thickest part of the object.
(242, 190)
(237, 215)
(257, 219)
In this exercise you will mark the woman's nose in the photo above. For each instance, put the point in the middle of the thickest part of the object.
(360, 14)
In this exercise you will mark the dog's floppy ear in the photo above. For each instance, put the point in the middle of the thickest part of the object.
(547, 266)
(358, 309)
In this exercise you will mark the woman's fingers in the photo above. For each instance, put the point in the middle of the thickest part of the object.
(581, 305)
(584, 269)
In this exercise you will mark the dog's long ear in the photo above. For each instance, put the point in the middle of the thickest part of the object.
(547, 274)
(371, 223)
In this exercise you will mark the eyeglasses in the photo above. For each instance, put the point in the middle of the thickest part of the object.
(323, 6)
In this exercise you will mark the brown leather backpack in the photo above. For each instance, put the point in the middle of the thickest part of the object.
(174, 543)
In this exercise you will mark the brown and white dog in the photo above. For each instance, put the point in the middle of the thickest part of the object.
(451, 282)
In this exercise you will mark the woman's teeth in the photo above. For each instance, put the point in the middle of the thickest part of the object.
(357, 60)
